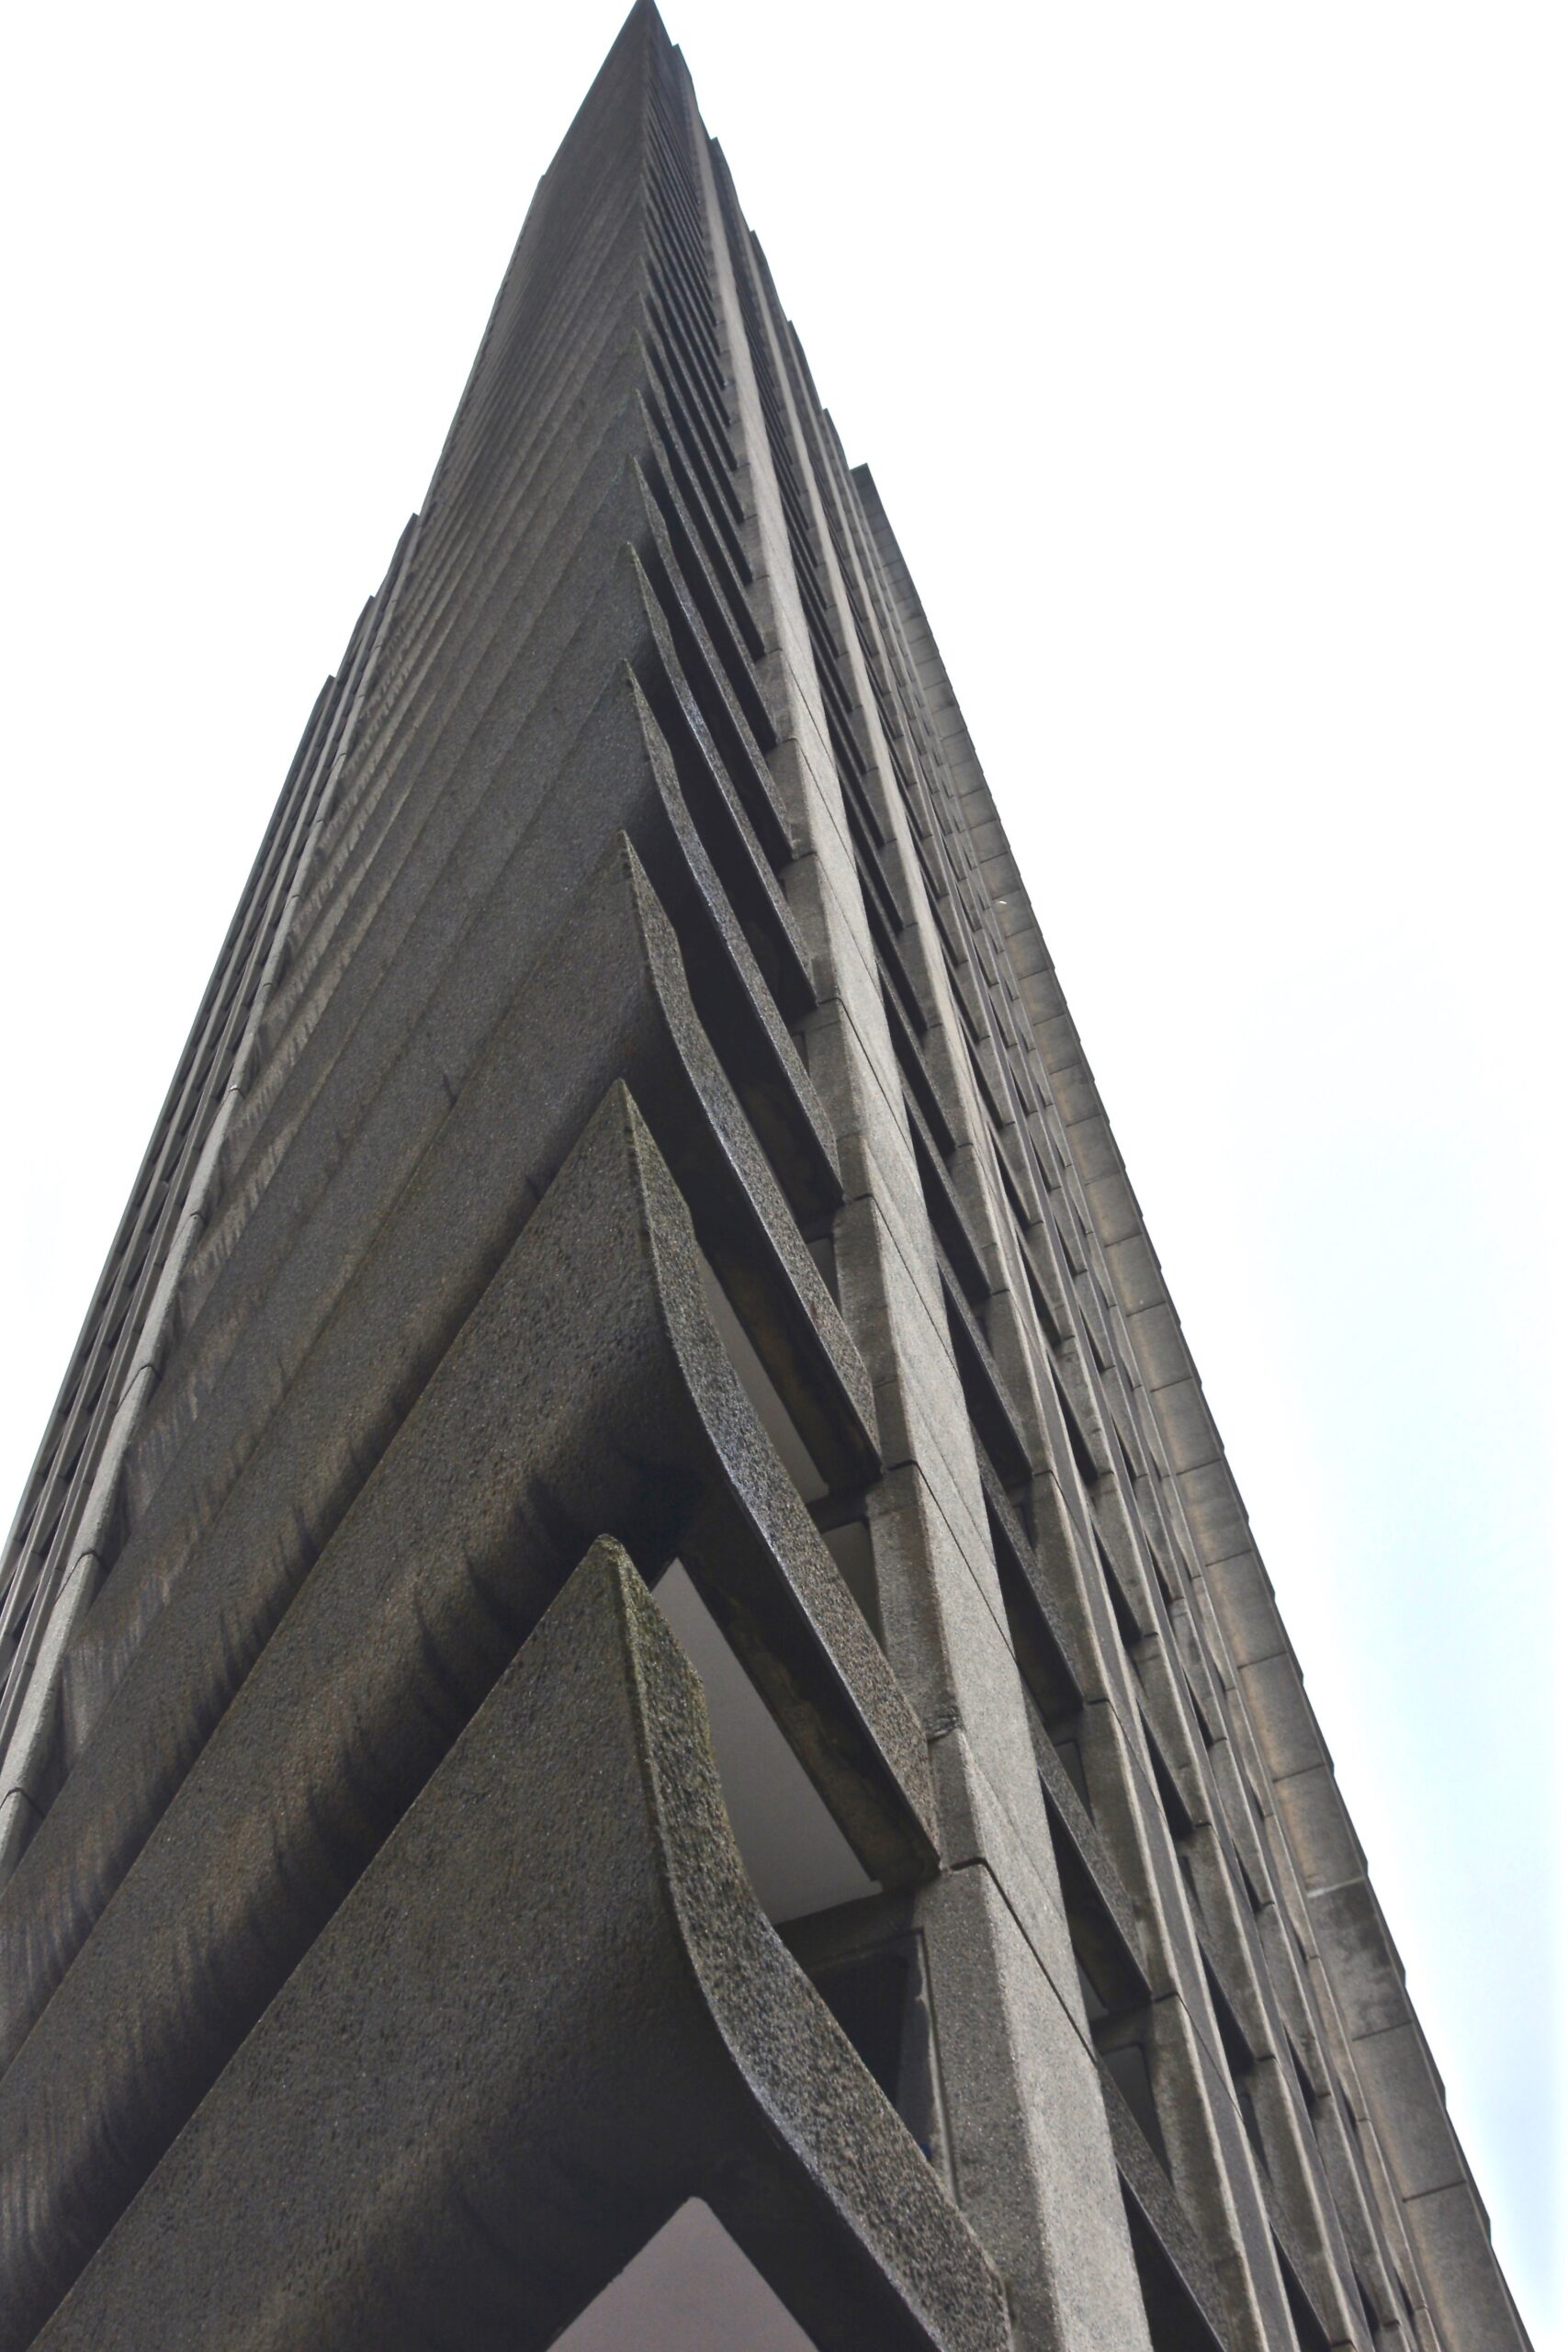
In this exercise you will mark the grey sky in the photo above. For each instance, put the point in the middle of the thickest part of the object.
(1211, 364)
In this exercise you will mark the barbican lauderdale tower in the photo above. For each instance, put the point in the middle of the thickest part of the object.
(633, 1246)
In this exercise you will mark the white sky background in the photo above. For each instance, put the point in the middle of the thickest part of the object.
(1210, 360)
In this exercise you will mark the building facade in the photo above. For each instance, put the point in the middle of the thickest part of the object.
(638, 1708)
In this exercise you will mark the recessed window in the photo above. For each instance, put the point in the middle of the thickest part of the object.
(796, 1856)
(763, 1397)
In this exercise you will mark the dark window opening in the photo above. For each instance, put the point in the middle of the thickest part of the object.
(867, 1998)
(1311, 2333)
(849, 1542)
(1115, 1993)
(1178, 1820)
(1240, 2062)
(1071, 1755)
(876, 1991)
(1098, 1945)
(825, 1257)
(946, 1215)
(1048, 1678)
(1175, 2322)
(1128, 2067)
(912, 1062)
(1303, 2080)
(988, 1413)
(1127, 1624)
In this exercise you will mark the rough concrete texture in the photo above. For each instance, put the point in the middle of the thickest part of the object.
(530, 2033)
(635, 1101)
(566, 1399)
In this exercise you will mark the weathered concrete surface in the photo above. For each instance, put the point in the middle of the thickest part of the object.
(587, 1389)
(533, 2028)
(635, 1099)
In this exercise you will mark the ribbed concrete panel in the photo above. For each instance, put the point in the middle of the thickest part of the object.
(634, 1138)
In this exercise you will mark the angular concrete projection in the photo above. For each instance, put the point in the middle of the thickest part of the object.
(635, 1219)
(523, 1950)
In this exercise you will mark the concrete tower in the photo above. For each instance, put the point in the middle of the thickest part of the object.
(639, 1711)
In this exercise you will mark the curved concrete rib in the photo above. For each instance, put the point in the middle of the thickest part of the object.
(317, 1399)
(400, 1026)
(533, 2030)
(587, 1391)
(573, 1025)
(602, 765)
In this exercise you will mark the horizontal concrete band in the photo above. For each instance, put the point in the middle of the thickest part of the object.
(318, 1429)
(584, 267)
(519, 1220)
(456, 915)
(588, 1390)
(325, 1203)
(530, 2033)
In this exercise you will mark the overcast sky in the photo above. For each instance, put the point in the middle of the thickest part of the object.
(1212, 363)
